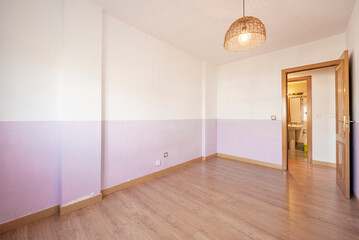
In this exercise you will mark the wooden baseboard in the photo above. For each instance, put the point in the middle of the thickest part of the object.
(328, 164)
(130, 183)
(356, 200)
(265, 164)
(8, 226)
(356, 197)
(209, 157)
(80, 204)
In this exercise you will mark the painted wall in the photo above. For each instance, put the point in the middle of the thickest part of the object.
(249, 92)
(297, 87)
(81, 101)
(323, 113)
(152, 104)
(50, 104)
(30, 65)
(352, 35)
(209, 109)
(64, 69)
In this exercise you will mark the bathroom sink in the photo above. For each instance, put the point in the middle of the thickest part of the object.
(291, 135)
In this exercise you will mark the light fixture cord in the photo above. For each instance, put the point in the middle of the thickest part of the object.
(243, 9)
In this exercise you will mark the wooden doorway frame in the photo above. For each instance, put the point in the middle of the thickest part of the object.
(308, 80)
(285, 73)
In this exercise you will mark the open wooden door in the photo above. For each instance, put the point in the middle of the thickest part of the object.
(342, 124)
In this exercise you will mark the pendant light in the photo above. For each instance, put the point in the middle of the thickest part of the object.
(244, 34)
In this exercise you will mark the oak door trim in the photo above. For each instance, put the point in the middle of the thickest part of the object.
(308, 80)
(313, 66)
(285, 73)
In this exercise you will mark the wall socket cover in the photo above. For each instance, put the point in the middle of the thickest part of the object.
(158, 163)
(165, 154)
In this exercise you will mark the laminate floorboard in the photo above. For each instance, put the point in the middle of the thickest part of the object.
(214, 199)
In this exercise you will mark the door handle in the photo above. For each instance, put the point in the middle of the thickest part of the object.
(347, 122)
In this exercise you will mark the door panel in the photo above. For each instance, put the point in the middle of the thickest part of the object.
(342, 125)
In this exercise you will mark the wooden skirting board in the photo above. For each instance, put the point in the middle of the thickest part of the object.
(265, 164)
(356, 199)
(8, 226)
(130, 183)
(328, 164)
(209, 157)
(80, 204)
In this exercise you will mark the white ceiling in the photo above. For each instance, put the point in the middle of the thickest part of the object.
(198, 26)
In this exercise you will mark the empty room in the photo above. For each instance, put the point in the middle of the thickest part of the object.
(179, 119)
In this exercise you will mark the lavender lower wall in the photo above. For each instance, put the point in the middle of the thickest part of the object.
(355, 158)
(131, 148)
(81, 160)
(253, 139)
(210, 137)
(29, 167)
(33, 177)
(45, 163)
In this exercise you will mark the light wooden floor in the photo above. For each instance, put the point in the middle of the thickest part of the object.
(297, 155)
(217, 199)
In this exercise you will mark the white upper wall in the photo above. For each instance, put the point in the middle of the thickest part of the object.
(31, 37)
(353, 47)
(50, 60)
(251, 88)
(210, 90)
(147, 79)
(51, 57)
(81, 86)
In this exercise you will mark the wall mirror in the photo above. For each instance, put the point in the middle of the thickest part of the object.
(295, 110)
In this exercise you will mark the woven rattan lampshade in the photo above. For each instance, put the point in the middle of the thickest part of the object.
(244, 34)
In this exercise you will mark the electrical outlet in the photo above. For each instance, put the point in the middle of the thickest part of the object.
(158, 163)
(165, 154)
